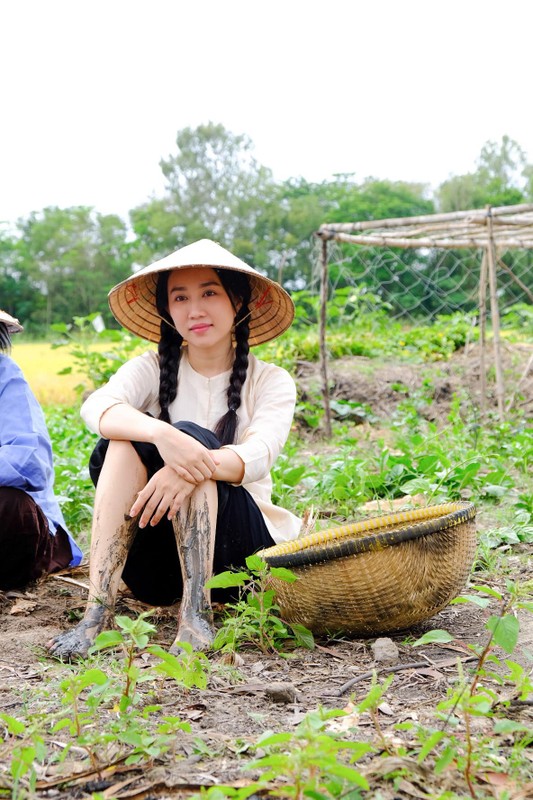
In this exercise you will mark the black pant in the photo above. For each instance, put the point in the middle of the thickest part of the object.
(152, 570)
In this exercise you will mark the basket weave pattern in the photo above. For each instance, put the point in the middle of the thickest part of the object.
(379, 575)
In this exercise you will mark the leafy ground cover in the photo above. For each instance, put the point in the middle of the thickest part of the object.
(444, 712)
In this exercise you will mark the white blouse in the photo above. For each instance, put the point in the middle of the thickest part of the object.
(264, 418)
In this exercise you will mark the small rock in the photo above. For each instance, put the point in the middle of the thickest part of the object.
(385, 651)
(281, 692)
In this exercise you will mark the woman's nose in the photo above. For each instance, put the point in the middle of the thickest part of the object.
(196, 308)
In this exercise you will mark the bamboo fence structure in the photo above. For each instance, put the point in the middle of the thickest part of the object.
(492, 230)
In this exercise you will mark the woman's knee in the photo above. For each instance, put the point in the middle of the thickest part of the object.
(122, 460)
(202, 435)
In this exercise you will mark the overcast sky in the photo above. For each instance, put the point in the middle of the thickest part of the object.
(94, 91)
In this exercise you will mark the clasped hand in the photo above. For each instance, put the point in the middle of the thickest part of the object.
(187, 463)
(164, 493)
(190, 459)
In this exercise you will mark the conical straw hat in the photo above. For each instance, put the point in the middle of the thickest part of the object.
(133, 300)
(13, 325)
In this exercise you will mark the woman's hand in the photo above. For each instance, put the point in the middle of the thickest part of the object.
(164, 493)
(190, 459)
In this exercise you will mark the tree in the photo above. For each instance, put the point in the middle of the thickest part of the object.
(73, 257)
(215, 189)
(17, 293)
(502, 178)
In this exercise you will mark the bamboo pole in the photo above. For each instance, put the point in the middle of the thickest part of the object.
(516, 279)
(322, 337)
(446, 244)
(475, 214)
(495, 314)
(483, 332)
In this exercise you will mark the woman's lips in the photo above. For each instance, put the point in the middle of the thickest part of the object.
(200, 328)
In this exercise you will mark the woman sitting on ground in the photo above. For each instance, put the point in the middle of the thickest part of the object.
(190, 434)
(34, 539)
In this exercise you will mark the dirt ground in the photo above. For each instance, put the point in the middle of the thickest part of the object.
(268, 692)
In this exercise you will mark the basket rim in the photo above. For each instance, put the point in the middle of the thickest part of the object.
(340, 542)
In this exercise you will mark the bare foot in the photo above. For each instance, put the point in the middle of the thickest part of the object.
(76, 642)
(195, 629)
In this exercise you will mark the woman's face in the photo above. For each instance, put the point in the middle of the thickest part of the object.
(200, 307)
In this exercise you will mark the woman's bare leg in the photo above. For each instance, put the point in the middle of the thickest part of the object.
(121, 477)
(195, 529)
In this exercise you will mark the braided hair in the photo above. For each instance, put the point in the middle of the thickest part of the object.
(5, 338)
(237, 286)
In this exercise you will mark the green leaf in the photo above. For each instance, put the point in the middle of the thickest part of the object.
(504, 631)
(446, 758)
(488, 590)
(292, 476)
(303, 635)
(268, 739)
(434, 637)
(225, 580)
(13, 725)
(482, 602)
(90, 677)
(429, 744)
(255, 563)
(107, 639)
(283, 574)
(510, 726)
(349, 774)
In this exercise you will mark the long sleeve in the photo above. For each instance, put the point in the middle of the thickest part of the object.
(136, 383)
(270, 400)
(26, 460)
(25, 450)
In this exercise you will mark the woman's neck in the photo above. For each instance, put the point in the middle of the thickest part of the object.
(211, 363)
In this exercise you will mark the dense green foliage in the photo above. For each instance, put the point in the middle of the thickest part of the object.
(59, 263)
(458, 458)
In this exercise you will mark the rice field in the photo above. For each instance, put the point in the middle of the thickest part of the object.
(41, 365)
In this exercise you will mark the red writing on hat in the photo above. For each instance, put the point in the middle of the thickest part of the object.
(131, 294)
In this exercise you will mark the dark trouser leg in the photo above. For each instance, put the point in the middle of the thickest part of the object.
(27, 548)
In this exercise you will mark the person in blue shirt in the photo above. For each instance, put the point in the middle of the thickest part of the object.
(34, 539)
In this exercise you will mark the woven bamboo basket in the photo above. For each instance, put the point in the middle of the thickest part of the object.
(379, 575)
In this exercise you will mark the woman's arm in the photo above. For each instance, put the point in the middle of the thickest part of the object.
(272, 398)
(230, 467)
(190, 459)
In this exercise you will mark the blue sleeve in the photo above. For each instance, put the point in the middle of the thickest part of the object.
(25, 449)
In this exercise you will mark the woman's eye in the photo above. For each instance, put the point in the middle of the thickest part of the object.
(210, 293)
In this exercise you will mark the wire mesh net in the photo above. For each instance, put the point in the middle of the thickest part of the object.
(423, 284)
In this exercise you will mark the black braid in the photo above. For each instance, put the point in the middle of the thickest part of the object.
(169, 349)
(5, 338)
(238, 288)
